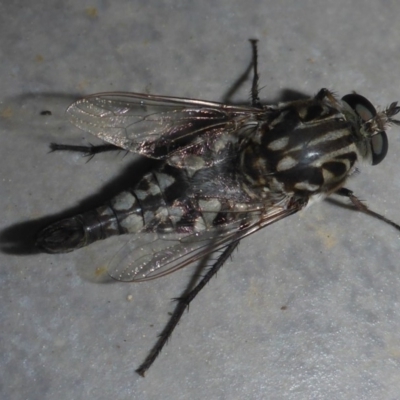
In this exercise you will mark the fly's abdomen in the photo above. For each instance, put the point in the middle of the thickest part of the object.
(151, 206)
(122, 215)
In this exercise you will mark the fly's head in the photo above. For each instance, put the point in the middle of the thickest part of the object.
(370, 125)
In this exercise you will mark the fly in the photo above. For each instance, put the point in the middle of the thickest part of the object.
(225, 172)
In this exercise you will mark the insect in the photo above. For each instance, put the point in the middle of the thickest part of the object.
(225, 172)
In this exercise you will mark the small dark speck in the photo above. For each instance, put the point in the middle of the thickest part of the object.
(283, 308)
(45, 112)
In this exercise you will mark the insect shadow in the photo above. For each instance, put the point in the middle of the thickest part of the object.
(19, 239)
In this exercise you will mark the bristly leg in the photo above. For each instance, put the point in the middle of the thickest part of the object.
(86, 150)
(255, 99)
(360, 206)
(182, 304)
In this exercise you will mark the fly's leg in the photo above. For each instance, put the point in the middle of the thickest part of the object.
(86, 150)
(255, 99)
(360, 206)
(183, 303)
(320, 96)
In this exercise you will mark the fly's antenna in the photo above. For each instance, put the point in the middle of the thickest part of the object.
(383, 119)
(390, 111)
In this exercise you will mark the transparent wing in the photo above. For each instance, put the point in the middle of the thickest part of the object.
(153, 125)
(151, 255)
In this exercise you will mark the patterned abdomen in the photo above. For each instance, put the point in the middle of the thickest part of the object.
(158, 203)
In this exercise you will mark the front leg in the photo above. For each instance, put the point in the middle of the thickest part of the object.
(360, 206)
(325, 93)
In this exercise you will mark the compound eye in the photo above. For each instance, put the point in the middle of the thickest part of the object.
(365, 110)
(379, 147)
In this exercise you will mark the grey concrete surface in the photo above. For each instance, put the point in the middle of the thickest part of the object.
(308, 308)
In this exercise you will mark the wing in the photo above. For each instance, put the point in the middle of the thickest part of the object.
(153, 255)
(156, 126)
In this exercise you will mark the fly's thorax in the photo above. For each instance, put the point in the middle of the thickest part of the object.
(308, 148)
